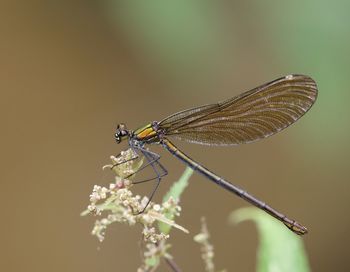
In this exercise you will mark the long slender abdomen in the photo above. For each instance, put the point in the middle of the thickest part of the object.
(291, 224)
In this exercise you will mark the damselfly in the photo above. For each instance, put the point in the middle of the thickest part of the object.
(251, 116)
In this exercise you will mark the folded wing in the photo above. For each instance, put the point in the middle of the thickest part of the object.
(251, 116)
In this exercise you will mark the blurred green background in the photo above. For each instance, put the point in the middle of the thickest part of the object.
(72, 70)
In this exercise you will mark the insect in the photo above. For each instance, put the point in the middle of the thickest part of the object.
(251, 116)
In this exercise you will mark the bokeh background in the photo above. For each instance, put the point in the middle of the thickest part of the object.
(71, 70)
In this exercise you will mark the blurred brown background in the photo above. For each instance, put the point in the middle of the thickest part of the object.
(71, 70)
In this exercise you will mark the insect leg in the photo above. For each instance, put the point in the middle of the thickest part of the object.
(151, 161)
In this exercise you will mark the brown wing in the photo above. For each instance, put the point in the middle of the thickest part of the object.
(251, 116)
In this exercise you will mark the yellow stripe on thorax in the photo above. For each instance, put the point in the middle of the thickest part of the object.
(145, 132)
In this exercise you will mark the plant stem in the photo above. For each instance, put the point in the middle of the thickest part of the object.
(172, 264)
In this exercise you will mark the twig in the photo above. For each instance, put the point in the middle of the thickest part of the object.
(172, 264)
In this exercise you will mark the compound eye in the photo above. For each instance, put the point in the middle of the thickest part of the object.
(117, 138)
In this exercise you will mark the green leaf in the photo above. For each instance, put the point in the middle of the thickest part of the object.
(179, 186)
(175, 192)
(279, 248)
(152, 261)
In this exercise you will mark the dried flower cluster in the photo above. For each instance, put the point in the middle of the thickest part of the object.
(207, 248)
(118, 204)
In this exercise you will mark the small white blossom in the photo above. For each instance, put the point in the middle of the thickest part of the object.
(156, 207)
(91, 207)
(144, 201)
(166, 205)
